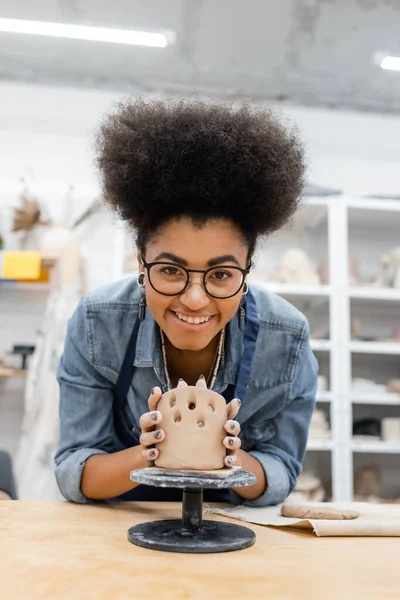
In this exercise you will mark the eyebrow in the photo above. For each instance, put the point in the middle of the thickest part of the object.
(217, 260)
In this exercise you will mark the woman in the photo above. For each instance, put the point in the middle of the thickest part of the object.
(199, 183)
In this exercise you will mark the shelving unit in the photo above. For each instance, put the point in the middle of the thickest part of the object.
(376, 447)
(336, 355)
(376, 399)
(319, 445)
(375, 348)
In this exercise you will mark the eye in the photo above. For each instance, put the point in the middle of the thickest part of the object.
(171, 271)
(221, 275)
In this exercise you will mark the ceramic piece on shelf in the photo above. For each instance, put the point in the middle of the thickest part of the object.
(296, 267)
(390, 428)
(367, 482)
(393, 386)
(319, 427)
(395, 257)
(193, 419)
(389, 270)
(367, 427)
(382, 279)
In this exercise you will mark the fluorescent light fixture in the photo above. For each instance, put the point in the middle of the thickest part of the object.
(391, 63)
(82, 32)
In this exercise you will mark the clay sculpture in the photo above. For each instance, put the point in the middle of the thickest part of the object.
(193, 421)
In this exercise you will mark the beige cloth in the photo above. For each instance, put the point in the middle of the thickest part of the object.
(375, 519)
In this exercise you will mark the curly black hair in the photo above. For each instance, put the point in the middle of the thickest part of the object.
(159, 161)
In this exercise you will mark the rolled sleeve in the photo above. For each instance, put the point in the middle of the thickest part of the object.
(69, 474)
(86, 413)
(277, 477)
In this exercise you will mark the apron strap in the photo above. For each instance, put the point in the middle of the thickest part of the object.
(127, 369)
(250, 341)
(121, 389)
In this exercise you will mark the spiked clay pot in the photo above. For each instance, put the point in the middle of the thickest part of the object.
(193, 421)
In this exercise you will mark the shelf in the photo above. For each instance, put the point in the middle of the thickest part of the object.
(11, 285)
(319, 445)
(287, 289)
(371, 204)
(321, 345)
(371, 293)
(392, 348)
(12, 373)
(376, 399)
(377, 447)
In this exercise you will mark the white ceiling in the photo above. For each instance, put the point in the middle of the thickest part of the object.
(309, 52)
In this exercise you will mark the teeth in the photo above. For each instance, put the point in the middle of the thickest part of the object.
(192, 320)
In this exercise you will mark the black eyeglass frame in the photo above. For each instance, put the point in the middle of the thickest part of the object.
(148, 266)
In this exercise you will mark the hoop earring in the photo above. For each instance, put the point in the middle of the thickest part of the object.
(140, 279)
(245, 291)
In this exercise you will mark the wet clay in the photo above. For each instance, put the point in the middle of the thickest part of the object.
(193, 421)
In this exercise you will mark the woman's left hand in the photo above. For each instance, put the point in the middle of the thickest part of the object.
(231, 442)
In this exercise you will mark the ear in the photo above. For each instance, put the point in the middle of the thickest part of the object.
(139, 259)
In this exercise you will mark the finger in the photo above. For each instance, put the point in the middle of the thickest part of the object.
(232, 443)
(201, 382)
(152, 437)
(149, 420)
(150, 455)
(182, 383)
(232, 427)
(232, 408)
(231, 460)
(154, 398)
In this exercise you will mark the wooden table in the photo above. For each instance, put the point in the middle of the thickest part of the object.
(56, 550)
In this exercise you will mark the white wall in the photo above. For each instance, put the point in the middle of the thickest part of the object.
(49, 131)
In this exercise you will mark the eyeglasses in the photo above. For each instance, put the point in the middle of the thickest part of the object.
(169, 279)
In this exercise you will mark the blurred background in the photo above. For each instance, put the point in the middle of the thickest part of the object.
(330, 66)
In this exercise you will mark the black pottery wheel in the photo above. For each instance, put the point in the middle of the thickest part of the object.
(192, 534)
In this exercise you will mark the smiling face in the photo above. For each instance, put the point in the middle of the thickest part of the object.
(192, 319)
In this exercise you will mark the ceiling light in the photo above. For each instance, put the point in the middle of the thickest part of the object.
(391, 63)
(82, 32)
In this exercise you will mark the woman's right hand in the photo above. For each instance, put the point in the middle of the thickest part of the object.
(151, 433)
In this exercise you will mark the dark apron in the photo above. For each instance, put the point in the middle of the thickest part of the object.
(128, 439)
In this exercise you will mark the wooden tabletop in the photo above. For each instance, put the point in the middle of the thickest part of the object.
(56, 550)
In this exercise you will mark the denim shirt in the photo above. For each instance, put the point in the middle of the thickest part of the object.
(274, 415)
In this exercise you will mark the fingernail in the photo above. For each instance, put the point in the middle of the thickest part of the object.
(152, 391)
(201, 377)
(154, 416)
(231, 441)
(239, 402)
(229, 461)
(152, 453)
(157, 434)
(180, 379)
(233, 426)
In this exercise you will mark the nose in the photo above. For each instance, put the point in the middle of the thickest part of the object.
(195, 296)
